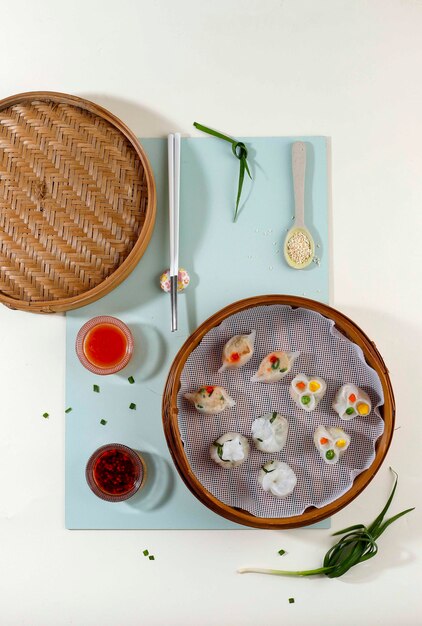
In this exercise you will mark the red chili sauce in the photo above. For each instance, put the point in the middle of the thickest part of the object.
(115, 472)
(105, 345)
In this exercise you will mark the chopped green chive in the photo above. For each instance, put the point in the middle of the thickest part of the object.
(68, 410)
(96, 388)
(151, 557)
(284, 369)
(258, 439)
(291, 600)
(103, 422)
(281, 552)
(145, 552)
(45, 415)
(273, 417)
(132, 405)
(131, 380)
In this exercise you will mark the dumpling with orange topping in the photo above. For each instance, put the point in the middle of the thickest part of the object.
(331, 443)
(274, 367)
(238, 351)
(210, 399)
(307, 392)
(351, 401)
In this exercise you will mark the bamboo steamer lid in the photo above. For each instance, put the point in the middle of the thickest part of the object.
(77, 202)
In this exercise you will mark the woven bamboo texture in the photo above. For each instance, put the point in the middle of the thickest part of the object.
(77, 202)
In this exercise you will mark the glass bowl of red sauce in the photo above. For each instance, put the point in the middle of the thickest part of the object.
(104, 345)
(115, 472)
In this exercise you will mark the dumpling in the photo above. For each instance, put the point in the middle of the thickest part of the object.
(274, 367)
(230, 450)
(238, 351)
(210, 399)
(350, 401)
(331, 443)
(278, 478)
(307, 392)
(269, 432)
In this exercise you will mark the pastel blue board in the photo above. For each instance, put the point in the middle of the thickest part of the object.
(227, 261)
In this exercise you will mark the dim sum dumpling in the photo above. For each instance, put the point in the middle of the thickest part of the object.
(350, 401)
(331, 443)
(210, 399)
(238, 351)
(307, 392)
(278, 478)
(274, 367)
(230, 450)
(269, 432)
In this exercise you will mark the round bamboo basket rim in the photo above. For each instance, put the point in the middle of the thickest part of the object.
(311, 515)
(129, 263)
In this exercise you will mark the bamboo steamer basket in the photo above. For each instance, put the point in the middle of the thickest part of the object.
(77, 202)
(170, 414)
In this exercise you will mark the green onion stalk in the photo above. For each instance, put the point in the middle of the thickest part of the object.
(240, 152)
(357, 545)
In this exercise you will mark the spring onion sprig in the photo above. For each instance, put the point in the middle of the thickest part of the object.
(356, 546)
(240, 152)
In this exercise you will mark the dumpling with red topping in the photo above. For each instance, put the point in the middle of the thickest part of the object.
(210, 399)
(274, 367)
(351, 401)
(238, 351)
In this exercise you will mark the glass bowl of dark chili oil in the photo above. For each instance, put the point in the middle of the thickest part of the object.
(104, 345)
(115, 472)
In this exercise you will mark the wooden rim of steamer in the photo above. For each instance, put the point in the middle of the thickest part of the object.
(171, 429)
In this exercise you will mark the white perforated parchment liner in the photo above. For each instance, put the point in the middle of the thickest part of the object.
(324, 352)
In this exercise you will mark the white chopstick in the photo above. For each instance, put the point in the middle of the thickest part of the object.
(174, 204)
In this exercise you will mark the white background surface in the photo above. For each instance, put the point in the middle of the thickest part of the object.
(349, 69)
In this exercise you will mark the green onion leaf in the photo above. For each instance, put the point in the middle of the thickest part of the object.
(357, 545)
(132, 405)
(68, 410)
(291, 600)
(151, 557)
(46, 415)
(281, 552)
(131, 380)
(240, 152)
(273, 417)
(145, 552)
(96, 388)
(103, 422)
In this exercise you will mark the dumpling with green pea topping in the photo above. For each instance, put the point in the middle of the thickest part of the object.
(351, 401)
(230, 450)
(331, 443)
(307, 391)
(269, 432)
(274, 367)
(277, 478)
(210, 399)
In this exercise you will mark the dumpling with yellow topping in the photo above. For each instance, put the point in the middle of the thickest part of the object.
(210, 399)
(331, 443)
(238, 351)
(351, 401)
(307, 391)
(274, 367)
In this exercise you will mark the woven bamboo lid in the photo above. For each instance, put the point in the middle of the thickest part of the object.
(77, 202)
